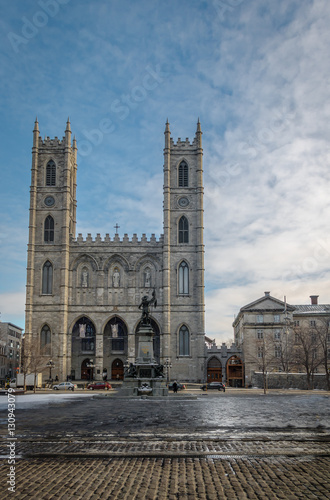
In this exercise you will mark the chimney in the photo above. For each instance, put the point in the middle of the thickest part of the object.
(267, 294)
(314, 299)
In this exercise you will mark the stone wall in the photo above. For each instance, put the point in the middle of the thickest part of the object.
(290, 381)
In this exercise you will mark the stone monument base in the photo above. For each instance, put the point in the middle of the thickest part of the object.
(145, 377)
(135, 387)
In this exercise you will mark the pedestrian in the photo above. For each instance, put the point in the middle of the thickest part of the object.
(56, 378)
(175, 386)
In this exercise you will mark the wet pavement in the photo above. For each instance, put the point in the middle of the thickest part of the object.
(237, 444)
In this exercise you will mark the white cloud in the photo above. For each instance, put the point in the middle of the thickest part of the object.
(258, 80)
(12, 306)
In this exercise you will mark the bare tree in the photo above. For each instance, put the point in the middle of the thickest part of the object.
(307, 349)
(323, 336)
(284, 351)
(24, 361)
(33, 360)
(262, 352)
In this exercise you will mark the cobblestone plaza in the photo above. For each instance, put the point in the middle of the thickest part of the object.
(239, 444)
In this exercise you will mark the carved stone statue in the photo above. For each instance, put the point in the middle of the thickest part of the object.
(84, 283)
(114, 331)
(145, 306)
(131, 371)
(147, 278)
(116, 278)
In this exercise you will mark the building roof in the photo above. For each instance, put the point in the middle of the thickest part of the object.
(267, 302)
(11, 324)
(312, 308)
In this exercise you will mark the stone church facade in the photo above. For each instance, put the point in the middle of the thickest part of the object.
(83, 293)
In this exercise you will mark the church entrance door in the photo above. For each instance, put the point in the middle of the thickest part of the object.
(86, 372)
(235, 375)
(117, 370)
(214, 370)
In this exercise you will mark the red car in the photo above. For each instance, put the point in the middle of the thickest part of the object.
(99, 385)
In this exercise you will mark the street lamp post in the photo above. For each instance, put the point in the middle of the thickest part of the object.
(50, 365)
(286, 357)
(167, 365)
(90, 365)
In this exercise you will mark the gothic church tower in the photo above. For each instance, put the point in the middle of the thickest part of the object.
(52, 221)
(183, 257)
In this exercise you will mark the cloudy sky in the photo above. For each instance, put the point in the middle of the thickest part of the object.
(255, 72)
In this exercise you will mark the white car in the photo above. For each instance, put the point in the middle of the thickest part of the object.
(65, 386)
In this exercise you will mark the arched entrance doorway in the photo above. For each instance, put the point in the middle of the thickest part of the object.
(87, 369)
(117, 369)
(214, 370)
(235, 372)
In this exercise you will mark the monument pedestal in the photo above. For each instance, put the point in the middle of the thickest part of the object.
(145, 377)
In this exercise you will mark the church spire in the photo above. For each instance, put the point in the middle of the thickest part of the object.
(167, 134)
(68, 133)
(68, 125)
(36, 133)
(36, 125)
(199, 134)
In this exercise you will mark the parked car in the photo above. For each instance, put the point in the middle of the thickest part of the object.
(214, 385)
(65, 386)
(180, 386)
(99, 385)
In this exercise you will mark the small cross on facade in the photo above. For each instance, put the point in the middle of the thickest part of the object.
(116, 227)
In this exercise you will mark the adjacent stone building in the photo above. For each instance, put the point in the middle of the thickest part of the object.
(83, 292)
(10, 350)
(284, 341)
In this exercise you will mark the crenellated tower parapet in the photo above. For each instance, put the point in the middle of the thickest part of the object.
(107, 240)
(184, 144)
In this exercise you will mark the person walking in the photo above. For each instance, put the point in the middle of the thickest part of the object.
(175, 387)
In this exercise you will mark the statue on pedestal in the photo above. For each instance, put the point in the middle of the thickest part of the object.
(145, 306)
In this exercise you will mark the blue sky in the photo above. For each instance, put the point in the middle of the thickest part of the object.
(255, 72)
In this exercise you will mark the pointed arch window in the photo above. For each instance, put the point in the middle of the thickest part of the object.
(184, 341)
(183, 174)
(183, 278)
(49, 229)
(45, 340)
(51, 173)
(47, 278)
(83, 333)
(116, 332)
(183, 230)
